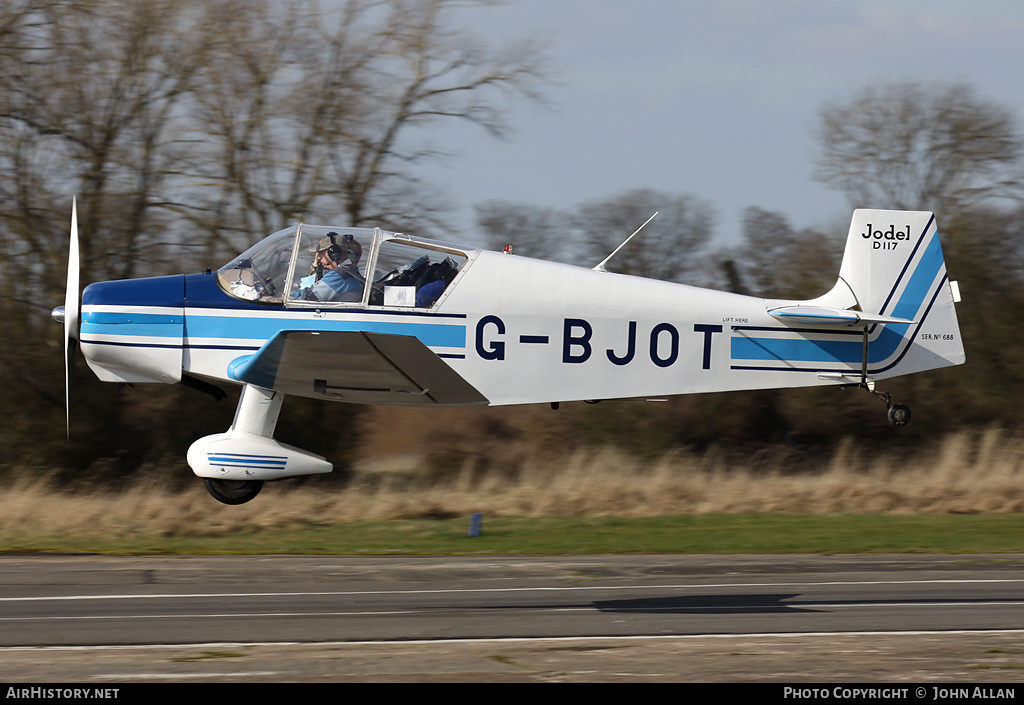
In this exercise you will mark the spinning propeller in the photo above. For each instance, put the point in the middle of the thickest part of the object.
(69, 315)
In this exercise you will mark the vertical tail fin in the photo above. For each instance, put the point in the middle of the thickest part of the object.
(893, 267)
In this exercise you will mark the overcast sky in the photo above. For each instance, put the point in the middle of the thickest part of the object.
(716, 98)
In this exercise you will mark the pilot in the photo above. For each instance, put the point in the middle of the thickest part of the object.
(348, 248)
(335, 267)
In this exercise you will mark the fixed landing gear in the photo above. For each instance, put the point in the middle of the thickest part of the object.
(898, 414)
(233, 491)
(234, 465)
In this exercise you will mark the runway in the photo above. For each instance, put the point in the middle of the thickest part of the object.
(592, 618)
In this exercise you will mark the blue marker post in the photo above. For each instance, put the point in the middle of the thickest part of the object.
(475, 522)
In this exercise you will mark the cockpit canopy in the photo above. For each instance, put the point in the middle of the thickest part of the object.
(319, 265)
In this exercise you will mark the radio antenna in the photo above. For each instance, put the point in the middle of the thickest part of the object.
(600, 267)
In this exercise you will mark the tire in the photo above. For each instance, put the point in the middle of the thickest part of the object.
(233, 491)
(899, 414)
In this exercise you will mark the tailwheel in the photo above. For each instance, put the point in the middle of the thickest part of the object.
(232, 491)
(899, 414)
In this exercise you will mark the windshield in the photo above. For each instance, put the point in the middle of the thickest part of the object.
(259, 273)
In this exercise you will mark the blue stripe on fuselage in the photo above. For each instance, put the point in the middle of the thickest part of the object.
(136, 324)
(257, 327)
(257, 322)
(260, 328)
(167, 293)
(203, 292)
(796, 350)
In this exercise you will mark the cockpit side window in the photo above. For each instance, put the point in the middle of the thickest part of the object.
(330, 265)
(406, 275)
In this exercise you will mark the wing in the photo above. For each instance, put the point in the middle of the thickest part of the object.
(356, 366)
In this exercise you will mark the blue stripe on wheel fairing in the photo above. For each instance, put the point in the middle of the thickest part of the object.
(241, 460)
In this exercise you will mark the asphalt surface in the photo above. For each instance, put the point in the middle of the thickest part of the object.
(780, 619)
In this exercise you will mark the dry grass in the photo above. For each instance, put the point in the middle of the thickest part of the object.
(967, 473)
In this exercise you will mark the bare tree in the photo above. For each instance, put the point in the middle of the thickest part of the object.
(320, 113)
(180, 122)
(533, 231)
(91, 110)
(777, 260)
(911, 146)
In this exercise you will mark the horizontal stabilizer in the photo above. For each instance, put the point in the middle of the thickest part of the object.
(825, 316)
(357, 367)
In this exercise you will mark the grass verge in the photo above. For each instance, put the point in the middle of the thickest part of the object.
(964, 495)
(708, 533)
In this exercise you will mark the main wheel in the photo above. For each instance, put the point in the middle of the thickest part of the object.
(899, 414)
(233, 491)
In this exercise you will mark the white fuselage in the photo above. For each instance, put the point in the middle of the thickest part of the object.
(522, 331)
